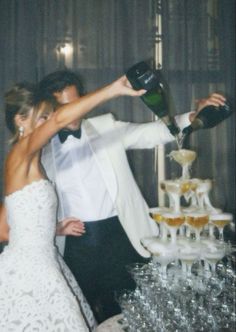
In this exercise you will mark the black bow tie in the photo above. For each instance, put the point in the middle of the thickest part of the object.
(64, 133)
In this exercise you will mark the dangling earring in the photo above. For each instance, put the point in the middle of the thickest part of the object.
(21, 131)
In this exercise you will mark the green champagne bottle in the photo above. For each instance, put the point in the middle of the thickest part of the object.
(141, 76)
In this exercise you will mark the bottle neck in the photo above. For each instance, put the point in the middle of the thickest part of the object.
(171, 124)
(195, 125)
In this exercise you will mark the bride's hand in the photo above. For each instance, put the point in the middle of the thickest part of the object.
(123, 87)
(70, 226)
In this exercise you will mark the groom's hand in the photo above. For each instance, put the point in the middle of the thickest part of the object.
(70, 226)
(214, 99)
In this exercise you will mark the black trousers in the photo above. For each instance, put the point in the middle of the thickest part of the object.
(98, 259)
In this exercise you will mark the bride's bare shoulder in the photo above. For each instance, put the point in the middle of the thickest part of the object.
(16, 163)
(18, 150)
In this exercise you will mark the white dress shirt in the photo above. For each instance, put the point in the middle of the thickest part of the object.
(109, 141)
(80, 181)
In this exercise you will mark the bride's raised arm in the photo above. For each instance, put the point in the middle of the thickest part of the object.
(4, 228)
(67, 113)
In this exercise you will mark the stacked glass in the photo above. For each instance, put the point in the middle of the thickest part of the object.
(178, 292)
(189, 284)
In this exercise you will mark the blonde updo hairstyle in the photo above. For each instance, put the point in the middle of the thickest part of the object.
(20, 100)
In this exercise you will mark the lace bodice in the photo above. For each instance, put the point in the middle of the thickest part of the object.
(29, 211)
(35, 295)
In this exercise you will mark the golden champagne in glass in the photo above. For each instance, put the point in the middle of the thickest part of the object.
(196, 220)
(173, 221)
(220, 220)
(157, 215)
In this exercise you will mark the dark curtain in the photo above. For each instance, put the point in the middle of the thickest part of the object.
(108, 36)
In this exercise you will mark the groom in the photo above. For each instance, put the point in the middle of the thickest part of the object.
(88, 163)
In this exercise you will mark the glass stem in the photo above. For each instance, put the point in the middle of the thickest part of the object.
(221, 234)
(173, 235)
(197, 233)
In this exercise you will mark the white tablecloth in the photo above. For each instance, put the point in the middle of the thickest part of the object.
(110, 325)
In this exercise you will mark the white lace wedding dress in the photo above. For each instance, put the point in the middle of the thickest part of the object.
(37, 290)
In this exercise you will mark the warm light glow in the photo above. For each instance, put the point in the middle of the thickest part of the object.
(65, 49)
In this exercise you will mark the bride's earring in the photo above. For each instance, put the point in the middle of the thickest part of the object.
(21, 131)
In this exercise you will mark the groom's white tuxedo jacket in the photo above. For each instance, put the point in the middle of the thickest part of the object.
(109, 139)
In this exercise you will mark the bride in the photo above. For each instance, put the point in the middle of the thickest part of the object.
(36, 288)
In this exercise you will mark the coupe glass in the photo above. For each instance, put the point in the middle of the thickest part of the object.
(157, 215)
(173, 221)
(214, 254)
(184, 158)
(220, 220)
(136, 270)
(187, 259)
(197, 220)
(191, 196)
(202, 192)
(164, 258)
(170, 199)
(175, 189)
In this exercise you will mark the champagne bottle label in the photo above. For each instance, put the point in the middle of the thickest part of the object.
(148, 80)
